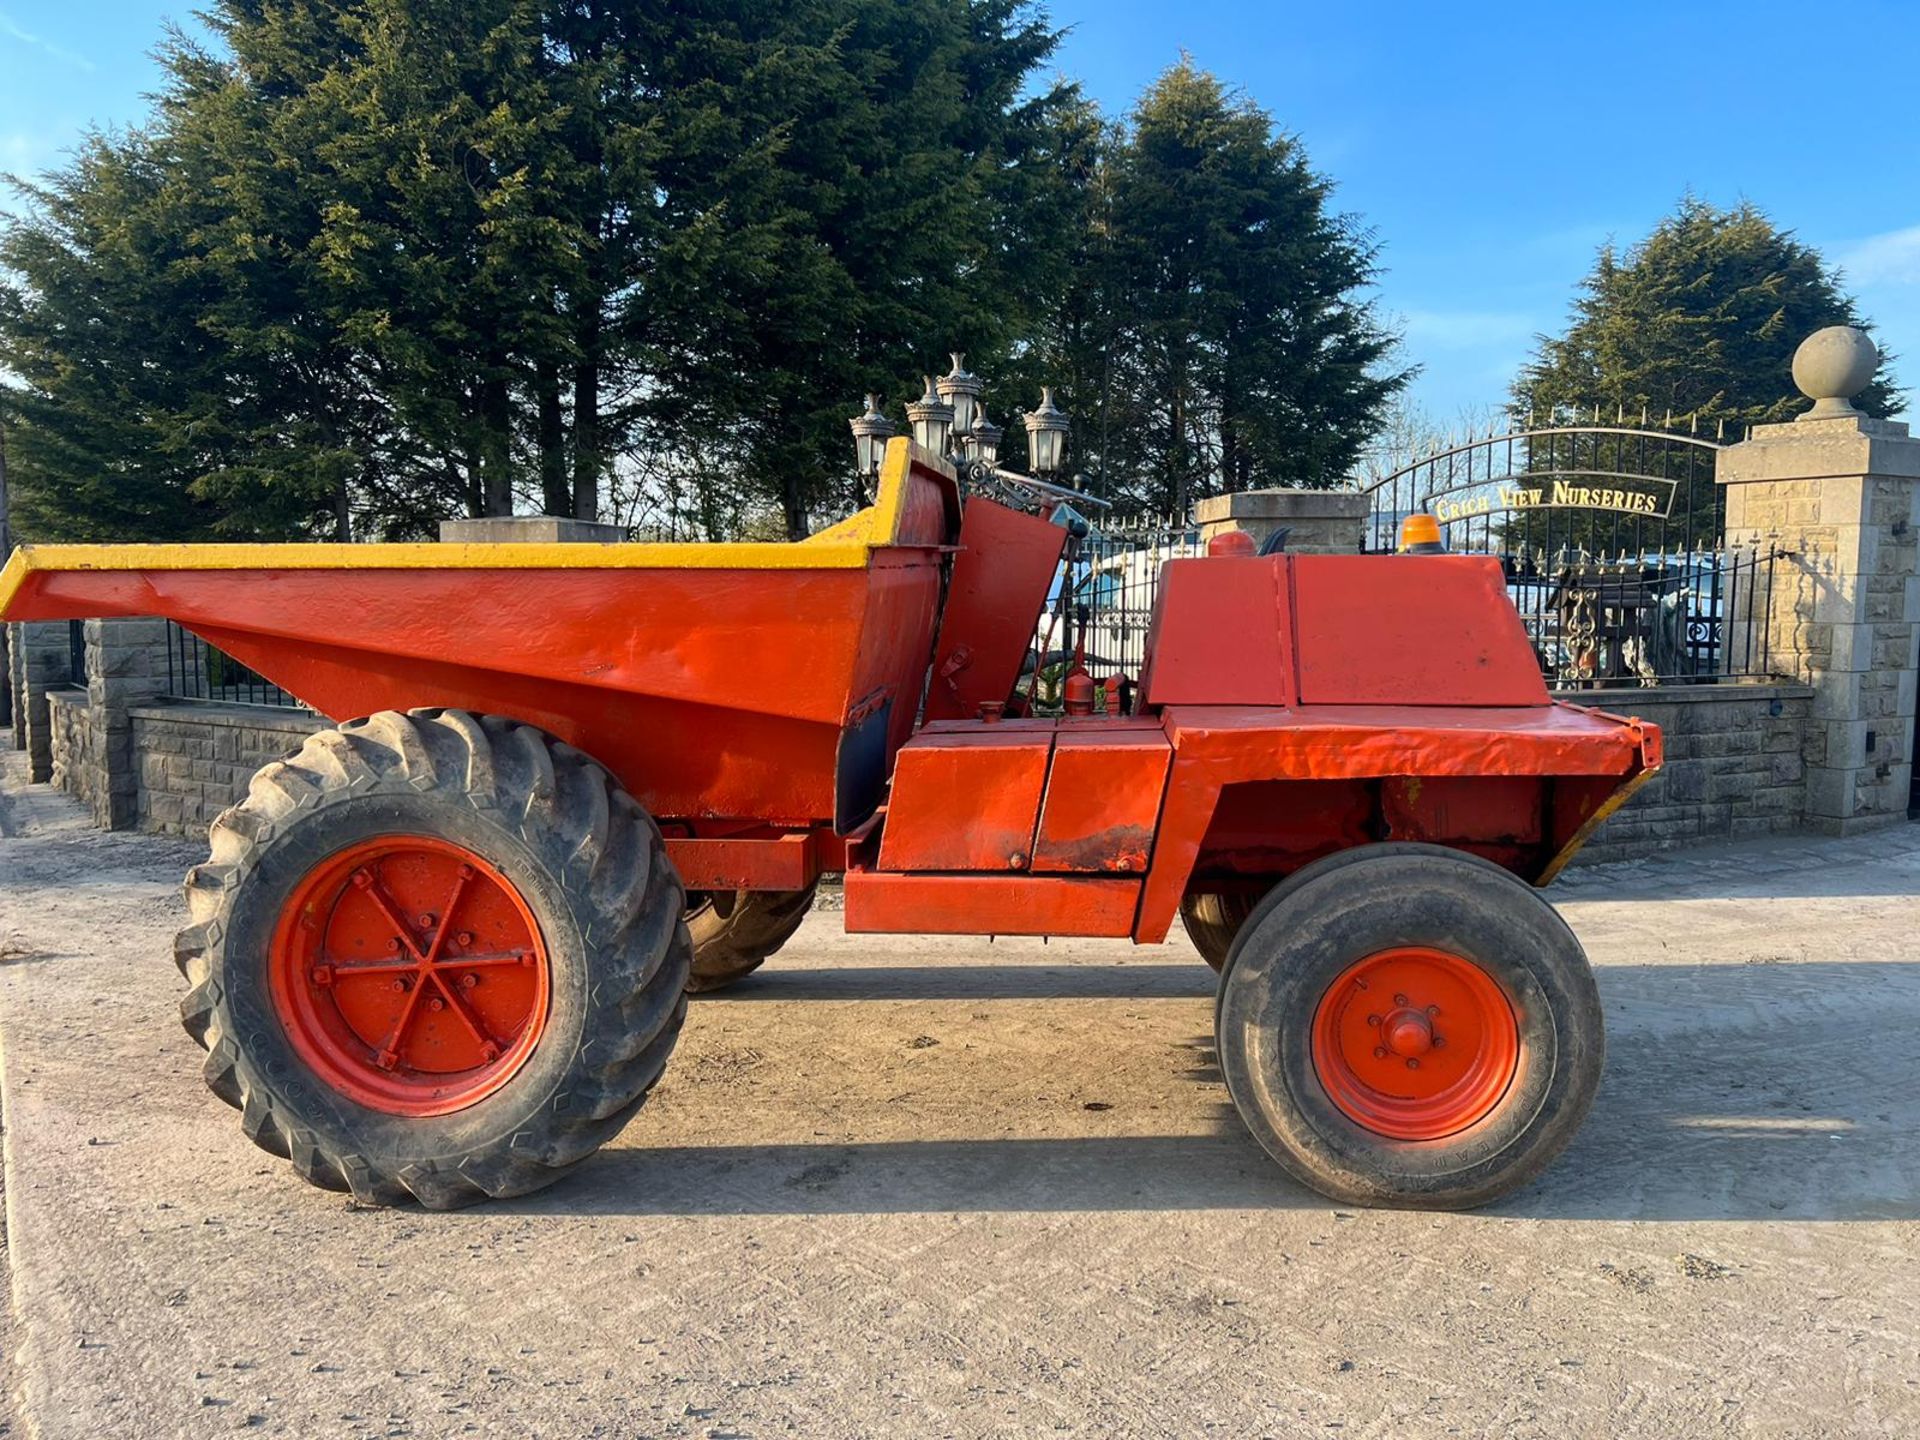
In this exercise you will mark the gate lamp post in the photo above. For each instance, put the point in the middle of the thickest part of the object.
(932, 421)
(1046, 435)
(981, 441)
(950, 421)
(871, 432)
(961, 388)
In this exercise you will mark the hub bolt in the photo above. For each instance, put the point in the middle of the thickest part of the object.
(436, 1004)
(400, 986)
(1379, 1052)
(465, 937)
(1373, 1020)
(1399, 999)
(426, 922)
(1412, 1064)
(469, 980)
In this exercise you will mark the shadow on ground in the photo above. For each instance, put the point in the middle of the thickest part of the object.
(1080, 980)
(1731, 1093)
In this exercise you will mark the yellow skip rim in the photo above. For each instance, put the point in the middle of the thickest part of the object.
(845, 546)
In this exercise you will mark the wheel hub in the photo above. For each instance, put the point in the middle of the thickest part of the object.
(410, 975)
(1407, 1032)
(1415, 1043)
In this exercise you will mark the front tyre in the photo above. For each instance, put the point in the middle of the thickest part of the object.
(434, 956)
(1415, 1028)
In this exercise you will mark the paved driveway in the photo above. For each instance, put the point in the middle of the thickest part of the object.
(928, 1188)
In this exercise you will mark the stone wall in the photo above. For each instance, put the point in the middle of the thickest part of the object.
(196, 759)
(70, 732)
(1735, 766)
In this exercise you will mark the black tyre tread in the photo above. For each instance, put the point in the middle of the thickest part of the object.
(619, 876)
(729, 947)
(1326, 865)
(1580, 1076)
(1213, 922)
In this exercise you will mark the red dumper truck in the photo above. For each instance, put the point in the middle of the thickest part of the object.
(443, 952)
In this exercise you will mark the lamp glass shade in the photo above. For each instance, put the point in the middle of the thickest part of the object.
(982, 440)
(871, 431)
(961, 389)
(932, 420)
(1046, 436)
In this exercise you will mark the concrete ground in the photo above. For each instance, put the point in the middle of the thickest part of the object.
(930, 1188)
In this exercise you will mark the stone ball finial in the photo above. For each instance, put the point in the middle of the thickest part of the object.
(1831, 367)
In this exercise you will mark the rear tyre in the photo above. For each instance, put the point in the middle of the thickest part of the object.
(434, 956)
(734, 931)
(1415, 1029)
(1213, 921)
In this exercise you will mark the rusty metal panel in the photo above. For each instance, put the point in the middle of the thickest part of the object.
(1221, 633)
(1410, 630)
(881, 904)
(1000, 578)
(1103, 798)
(967, 799)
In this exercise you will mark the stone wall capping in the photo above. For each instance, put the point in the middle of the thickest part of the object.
(1622, 701)
(229, 713)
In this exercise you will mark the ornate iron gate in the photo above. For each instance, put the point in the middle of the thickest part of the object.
(1612, 540)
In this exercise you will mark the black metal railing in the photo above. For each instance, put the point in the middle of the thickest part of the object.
(1611, 538)
(1102, 598)
(199, 671)
(77, 651)
(1684, 618)
(1595, 621)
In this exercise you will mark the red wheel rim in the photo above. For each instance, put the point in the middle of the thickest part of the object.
(1415, 1044)
(410, 975)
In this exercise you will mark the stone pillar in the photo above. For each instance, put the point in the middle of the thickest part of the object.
(1840, 493)
(40, 659)
(126, 666)
(1319, 522)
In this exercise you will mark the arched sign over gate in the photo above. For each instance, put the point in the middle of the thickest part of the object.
(1612, 541)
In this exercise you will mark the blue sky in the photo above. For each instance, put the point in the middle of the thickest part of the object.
(1492, 147)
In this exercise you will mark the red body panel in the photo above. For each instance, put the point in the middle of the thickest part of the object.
(781, 863)
(1214, 747)
(1410, 630)
(967, 800)
(1006, 562)
(1103, 798)
(882, 904)
(1222, 634)
(708, 692)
